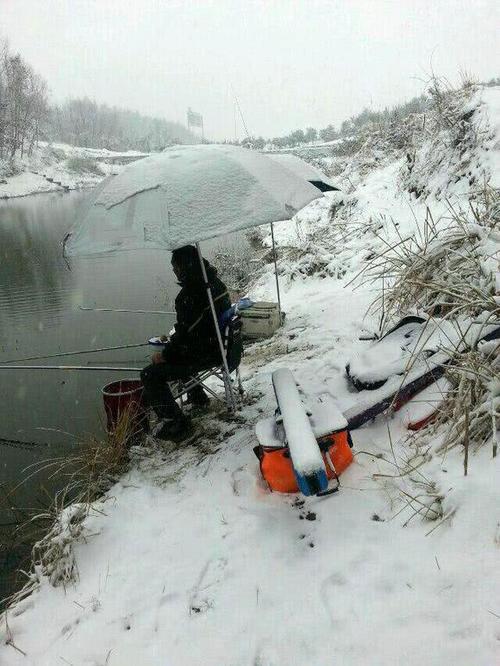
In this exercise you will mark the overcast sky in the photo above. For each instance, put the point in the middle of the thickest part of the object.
(292, 63)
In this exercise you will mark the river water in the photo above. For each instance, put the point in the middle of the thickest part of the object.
(41, 296)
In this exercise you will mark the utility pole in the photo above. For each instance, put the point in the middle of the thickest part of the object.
(235, 122)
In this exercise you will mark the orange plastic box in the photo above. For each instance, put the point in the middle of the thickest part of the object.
(330, 428)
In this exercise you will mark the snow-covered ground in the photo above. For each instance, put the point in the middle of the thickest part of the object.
(189, 559)
(59, 166)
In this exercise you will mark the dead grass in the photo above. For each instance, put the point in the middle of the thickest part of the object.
(470, 416)
(448, 271)
(85, 476)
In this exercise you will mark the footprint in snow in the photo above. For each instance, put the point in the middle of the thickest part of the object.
(307, 539)
(304, 514)
(211, 575)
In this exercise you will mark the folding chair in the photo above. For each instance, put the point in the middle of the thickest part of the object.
(230, 329)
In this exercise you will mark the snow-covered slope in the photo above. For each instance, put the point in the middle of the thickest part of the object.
(59, 166)
(190, 560)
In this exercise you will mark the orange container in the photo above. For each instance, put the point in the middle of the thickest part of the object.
(277, 469)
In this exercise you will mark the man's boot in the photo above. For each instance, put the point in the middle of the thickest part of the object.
(175, 429)
(197, 397)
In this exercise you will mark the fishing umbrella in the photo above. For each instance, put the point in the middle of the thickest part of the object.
(186, 195)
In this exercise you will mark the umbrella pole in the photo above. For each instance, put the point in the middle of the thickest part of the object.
(228, 387)
(276, 271)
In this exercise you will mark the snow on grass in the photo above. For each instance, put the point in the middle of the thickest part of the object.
(190, 560)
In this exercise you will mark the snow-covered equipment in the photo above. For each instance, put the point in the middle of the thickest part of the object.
(183, 196)
(305, 455)
(387, 356)
(424, 407)
(304, 445)
(409, 344)
(304, 170)
(261, 320)
(397, 390)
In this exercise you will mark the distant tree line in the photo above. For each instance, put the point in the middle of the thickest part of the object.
(26, 117)
(379, 119)
(83, 122)
(492, 82)
(347, 128)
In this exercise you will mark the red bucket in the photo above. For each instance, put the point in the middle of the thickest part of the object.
(124, 396)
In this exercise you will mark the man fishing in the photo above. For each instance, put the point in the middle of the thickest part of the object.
(191, 347)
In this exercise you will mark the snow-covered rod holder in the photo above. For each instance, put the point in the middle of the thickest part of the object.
(305, 454)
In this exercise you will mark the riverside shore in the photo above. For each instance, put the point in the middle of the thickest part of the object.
(59, 167)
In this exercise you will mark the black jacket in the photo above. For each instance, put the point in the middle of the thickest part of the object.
(194, 329)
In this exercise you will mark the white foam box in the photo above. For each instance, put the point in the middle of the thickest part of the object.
(260, 321)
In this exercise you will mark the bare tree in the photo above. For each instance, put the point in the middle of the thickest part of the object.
(23, 104)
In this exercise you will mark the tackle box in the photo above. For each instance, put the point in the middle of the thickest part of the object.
(330, 429)
(261, 320)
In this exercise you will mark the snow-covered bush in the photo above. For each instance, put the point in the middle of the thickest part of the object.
(83, 164)
(53, 554)
(439, 139)
(470, 416)
(445, 150)
(49, 153)
(451, 272)
(446, 270)
(236, 265)
(9, 167)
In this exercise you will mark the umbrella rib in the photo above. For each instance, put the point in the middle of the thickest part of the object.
(129, 196)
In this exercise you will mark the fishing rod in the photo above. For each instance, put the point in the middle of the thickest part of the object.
(74, 353)
(162, 312)
(68, 367)
(240, 112)
(19, 443)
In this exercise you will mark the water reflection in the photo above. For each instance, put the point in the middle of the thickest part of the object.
(34, 281)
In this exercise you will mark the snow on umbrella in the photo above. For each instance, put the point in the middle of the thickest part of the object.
(304, 170)
(185, 195)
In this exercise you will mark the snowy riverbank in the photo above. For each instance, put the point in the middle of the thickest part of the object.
(59, 166)
(190, 560)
